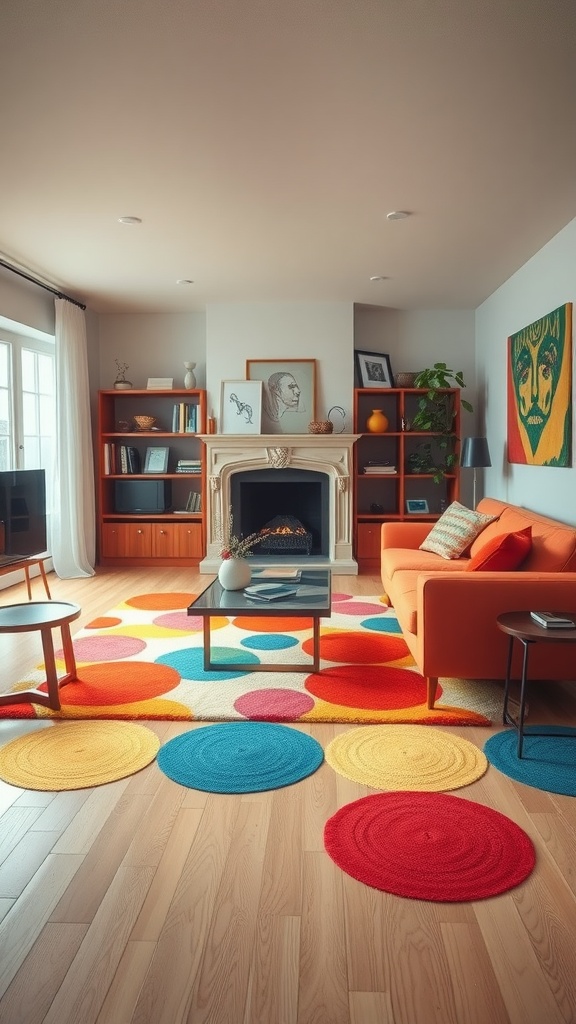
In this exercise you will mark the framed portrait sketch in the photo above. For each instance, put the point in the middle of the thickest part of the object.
(288, 393)
(374, 370)
(240, 406)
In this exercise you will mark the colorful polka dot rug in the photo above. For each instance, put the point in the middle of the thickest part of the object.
(144, 660)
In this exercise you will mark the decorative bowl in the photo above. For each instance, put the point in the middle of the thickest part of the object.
(320, 427)
(145, 422)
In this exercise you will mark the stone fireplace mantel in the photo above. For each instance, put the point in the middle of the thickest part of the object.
(227, 454)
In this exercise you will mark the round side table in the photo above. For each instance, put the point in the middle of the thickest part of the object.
(522, 627)
(43, 616)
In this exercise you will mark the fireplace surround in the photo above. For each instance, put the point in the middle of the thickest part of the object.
(228, 455)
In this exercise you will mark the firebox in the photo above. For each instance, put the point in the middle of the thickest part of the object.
(296, 501)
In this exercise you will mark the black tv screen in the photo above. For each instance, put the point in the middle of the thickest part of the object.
(22, 514)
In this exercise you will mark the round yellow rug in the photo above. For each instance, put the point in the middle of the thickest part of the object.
(76, 755)
(406, 757)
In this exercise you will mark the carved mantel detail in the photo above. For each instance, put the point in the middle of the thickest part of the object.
(279, 458)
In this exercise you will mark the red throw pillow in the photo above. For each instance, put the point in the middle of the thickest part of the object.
(503, 553)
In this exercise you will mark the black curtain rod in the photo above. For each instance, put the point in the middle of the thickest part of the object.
(28, 277)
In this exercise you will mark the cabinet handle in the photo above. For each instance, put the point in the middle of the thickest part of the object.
(140, 531)
(162, 533)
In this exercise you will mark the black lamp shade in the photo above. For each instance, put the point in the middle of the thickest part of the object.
(474, 453)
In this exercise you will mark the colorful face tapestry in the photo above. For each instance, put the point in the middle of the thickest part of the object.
(540, 391)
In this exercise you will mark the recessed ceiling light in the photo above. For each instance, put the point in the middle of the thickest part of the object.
(184, 280)
(129, 220)
(378, 277)
(397, 215)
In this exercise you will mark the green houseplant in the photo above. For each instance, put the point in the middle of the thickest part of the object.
(436, 414)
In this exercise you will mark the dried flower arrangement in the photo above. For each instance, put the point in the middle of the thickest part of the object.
(230, 545)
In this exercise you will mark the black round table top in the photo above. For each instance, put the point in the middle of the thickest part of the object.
(522, 625)
(35, 614)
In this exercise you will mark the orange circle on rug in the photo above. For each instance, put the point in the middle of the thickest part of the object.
(376, 687)
(104, 622)
(258, 624)
(359, 648)
(119, 682)
(160, 602)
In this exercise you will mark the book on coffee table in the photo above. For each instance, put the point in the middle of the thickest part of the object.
(274, 574)
(270, 591)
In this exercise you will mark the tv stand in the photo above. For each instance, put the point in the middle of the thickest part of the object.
(26, 563)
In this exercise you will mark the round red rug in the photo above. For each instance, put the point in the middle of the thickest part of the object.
(429, 846)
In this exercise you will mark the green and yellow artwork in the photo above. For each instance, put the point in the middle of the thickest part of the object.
(540, 391)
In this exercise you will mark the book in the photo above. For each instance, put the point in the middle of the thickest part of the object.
(551, 621)
(277, 573)
(270, 592)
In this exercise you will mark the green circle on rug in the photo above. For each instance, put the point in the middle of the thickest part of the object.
(429, 846)
(548, 759)
(406, 757)
(77, 755)
(240, 757)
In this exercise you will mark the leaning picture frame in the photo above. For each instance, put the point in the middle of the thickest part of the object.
(156, 460)
(240, 406)
(417, 506)
(288, 393)
(373, 369)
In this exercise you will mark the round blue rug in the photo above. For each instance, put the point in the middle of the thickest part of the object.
(240, 757)
(548, 761)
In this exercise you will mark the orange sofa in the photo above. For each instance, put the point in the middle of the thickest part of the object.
(448, 615)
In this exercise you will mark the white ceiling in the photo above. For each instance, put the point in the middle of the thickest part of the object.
(262, 142)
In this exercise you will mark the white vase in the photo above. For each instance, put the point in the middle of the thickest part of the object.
(234, 574)
(189, 378)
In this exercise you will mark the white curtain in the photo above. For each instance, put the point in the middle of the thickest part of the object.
(73, 521)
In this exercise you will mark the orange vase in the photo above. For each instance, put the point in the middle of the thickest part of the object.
(377, 422)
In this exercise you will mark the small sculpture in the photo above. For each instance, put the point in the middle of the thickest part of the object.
(121, 384)
(189, 379)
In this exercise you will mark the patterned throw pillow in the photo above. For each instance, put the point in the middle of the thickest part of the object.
(503, 553)
(457, 527)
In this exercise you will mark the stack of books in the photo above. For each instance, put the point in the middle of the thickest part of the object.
(378, 468)
(121, 458)
(281, 574)
(189, 466)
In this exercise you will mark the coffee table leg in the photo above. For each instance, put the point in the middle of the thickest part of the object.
(206, 635)
(50, 666)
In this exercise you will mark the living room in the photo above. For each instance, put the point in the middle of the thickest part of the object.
(143, 901)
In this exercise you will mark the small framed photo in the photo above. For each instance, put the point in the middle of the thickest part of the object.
(374, 369)
(417, 506)
(240, 406)
(288, 393)
(156, 460)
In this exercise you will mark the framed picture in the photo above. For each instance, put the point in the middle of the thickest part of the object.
(288, 393)
(240, 406)
(156, 460)
(374, 369)
(417, 506)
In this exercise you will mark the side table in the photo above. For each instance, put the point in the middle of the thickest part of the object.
(43, 616)
(521, 626)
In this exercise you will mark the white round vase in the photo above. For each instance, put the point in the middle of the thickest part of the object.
(190, 376)
(234, 574)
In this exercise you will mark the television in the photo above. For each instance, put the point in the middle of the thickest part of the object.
(152, 496)
(22, 514)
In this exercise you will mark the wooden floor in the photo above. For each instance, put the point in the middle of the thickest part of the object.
(142, 902)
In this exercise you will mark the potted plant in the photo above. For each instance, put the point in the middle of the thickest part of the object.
(436, 414)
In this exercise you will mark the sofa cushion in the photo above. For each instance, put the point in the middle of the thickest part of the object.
(553, 543)
(393, 559)
(454, 532)
(503, 553)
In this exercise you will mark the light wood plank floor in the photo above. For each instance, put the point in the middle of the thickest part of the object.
(142, 902)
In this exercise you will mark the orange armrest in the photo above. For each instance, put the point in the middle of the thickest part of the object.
(445, 600)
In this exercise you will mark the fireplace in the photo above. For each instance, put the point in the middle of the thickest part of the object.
(260, 496)
(262, 476)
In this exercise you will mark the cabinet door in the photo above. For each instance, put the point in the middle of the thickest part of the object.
(126, 540)
(368, 540)
(177, 540)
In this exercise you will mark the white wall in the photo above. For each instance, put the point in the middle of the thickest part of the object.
(153, 344)
(547, 281)
(323, 331)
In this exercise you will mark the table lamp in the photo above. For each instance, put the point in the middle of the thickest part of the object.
(474, 455)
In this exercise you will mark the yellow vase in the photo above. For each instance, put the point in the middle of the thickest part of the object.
(377, 422)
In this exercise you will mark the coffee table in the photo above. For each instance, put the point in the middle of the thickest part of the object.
(311, 602)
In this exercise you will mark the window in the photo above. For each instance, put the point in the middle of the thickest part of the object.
(27, 404)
